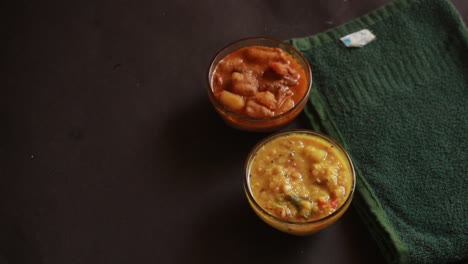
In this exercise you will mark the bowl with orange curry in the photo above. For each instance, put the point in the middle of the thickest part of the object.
(259, 84)
(299, 181)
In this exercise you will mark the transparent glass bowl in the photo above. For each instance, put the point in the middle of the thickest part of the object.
(298, 228)
(247, 123)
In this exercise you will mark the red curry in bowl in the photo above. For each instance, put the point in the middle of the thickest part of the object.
(259, 87)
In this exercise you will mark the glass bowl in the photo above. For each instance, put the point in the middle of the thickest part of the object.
(283, 188)
(243, 121)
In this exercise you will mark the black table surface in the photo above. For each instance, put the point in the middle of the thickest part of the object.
(110, 151)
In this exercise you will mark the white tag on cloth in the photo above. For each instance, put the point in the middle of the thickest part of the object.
(358, 39)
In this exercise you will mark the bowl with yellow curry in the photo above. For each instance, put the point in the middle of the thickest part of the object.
(299, 181)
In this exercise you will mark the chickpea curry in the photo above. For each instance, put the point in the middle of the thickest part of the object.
(259, 81)
(300, 178)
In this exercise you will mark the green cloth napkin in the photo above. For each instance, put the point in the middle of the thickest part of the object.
(400, 107)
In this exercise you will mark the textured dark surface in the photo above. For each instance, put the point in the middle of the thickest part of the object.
(110, 151)
(399, 105)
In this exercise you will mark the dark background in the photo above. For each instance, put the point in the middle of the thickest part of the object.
(110, 151)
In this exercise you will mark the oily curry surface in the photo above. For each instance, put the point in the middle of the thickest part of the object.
(300, 178)
(259, 82)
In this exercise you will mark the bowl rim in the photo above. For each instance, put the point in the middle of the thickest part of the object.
(278, 42)
(252, 155)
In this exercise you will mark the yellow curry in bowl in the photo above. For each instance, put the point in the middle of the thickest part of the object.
(299, 181)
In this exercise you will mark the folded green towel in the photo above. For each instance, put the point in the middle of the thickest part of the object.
(400, 107)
